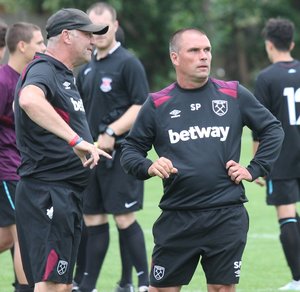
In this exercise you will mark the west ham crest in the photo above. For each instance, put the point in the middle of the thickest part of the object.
(158, 272)
(62, 267)
(220, 107)
(105, 86)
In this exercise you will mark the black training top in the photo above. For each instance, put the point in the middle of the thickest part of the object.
(44, 155)
(200, 130)
(111, 85)
(278, 88)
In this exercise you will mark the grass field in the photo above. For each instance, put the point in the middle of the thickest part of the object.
(264, 266)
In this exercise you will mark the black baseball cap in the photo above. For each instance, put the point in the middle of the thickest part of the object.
(72, 18)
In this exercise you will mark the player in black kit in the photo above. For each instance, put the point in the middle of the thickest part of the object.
(278, 87)
(195, 126)
(55, 143)
(113, 87)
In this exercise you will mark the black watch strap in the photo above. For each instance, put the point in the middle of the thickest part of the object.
(110, 132)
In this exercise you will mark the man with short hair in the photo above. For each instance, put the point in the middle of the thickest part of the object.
(23, 41)
(57, 152)
(195, 125)
(113, 87)
(277, 87)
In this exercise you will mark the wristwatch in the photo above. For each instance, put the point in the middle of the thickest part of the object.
(110, 132)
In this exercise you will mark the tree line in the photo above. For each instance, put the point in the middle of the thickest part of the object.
(234, 28)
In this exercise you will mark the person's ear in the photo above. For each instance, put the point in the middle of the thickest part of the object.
(174, 58)
(21, 46)
(269, 45)
(116, 25)
(66, 36)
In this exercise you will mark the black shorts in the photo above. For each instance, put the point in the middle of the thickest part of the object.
(283, 192)
(7, 203)
(49, 220)
(181, 238)
(111, 191)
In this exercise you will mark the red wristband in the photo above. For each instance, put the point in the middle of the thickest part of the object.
(73, 142)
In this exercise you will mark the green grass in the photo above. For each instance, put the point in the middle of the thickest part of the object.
(264, 267)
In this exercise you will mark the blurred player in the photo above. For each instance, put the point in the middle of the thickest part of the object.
(278, 88)
(113, 87)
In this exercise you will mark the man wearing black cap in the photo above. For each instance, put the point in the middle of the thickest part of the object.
(56, 152)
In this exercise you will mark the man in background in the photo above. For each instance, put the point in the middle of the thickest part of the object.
(113, 87)
(23, 40)
(81, 257)
(278, 88)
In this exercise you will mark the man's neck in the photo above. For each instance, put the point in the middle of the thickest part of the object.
(282, 57)
(17, 63)
(191, 84)
(102, 53)
(61, 56)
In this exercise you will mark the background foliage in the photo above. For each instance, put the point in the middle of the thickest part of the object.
(233, 26)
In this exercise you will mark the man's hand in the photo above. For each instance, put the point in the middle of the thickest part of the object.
(162, 167)
(106, 142)
(237, 172)
(89, 154)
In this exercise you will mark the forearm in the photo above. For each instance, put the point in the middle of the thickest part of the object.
(40, 111)
(267, 151)
(134, 163)
(125, 122)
